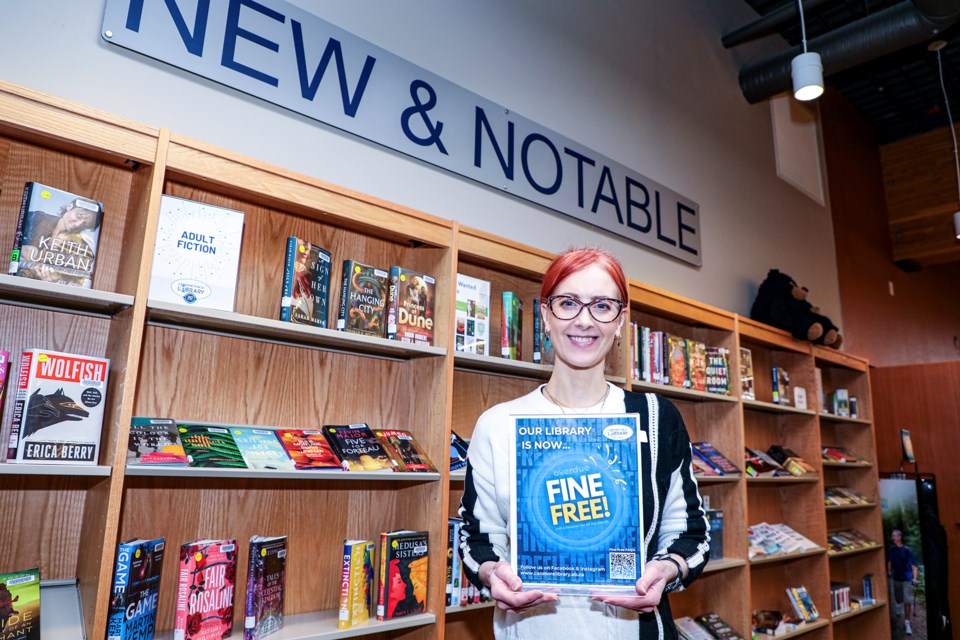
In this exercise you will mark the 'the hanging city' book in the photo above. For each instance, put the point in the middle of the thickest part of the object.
(363, 299)
(576, 505)
(309, 449)
(20, 605)
(59, 408)
(306, 283)
(261, 449)
(404, 566)
(405, 450)
(473, 315)
(136, 590)
(410, 304)
(57, 236)
(357, 585)
(210, 446)
(358, 448)
(155, 441)
(266, 578)
(197, 254)
(206, 586)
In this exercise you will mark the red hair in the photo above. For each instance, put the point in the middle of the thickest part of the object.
(574, 260)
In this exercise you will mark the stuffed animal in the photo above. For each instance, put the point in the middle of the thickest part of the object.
(782, 303)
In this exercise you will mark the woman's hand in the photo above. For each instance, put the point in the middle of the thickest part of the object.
(506, 588)
(657, 574)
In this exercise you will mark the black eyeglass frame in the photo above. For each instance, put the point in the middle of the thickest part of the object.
(588, 305)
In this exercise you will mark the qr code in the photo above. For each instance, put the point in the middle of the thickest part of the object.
(623, 566)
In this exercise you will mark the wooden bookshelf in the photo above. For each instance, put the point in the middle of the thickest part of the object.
(246, 367)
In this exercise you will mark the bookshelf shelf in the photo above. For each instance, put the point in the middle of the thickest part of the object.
(849, 507)
(718, 479)
(724, 564)
(847, 465)
(324, 475)
(833, 555)
(493, 364)
(61, 616)
(61, 297)
(770, 407)
(245, 326)
(805, 628)
(829, 417)
(840, 617)
(323, 626)
(782, 480)
(458, 476)
(787, 557)
(678, 393)
(17, 469)
(489, 604)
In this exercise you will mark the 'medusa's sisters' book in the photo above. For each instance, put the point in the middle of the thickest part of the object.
(577, 503)
(197, 254)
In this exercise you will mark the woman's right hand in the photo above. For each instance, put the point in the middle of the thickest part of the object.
(506, 588)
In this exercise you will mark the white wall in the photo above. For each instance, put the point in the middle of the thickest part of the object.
(644, 82)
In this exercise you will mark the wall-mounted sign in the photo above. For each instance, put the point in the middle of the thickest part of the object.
(282, 54)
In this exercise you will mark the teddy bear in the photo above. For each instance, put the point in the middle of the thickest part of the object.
(782, 303)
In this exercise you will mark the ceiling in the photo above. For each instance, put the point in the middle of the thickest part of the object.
(900, 93)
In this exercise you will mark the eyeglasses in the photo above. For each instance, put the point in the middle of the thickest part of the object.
(601, 309)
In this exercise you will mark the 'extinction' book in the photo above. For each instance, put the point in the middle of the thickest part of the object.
(577, 505)
(306, 283)
(57, 236)
(59, 408)
(196, 255)
(206, 583)
(357, 587)
(136, 590)
(20, 605)
(363, 299)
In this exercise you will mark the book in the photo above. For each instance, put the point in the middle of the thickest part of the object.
(4, 375)
(266, 576)
(802, 603)
(715, 522)
(790, 460)
(206, 579)
(404, 565)
(746, 374)
(577, 502)
(473, 315)
(781, 386)
(697, 365)
(363, 299)
(410, 306)
(136, 590)
(358, 448)
(155, 441)
(677, 359)
(833, 453)
(818, 386)
(261, 449)
(197, 254)
(404, 450)
(759, 464)
(717, 372)
(357, 587)
(709, 454)
(840, 403)
(58, 413)
(906, 442)
(717, 627)
(537, 332)
(458, 451)
(309, 449)
(800, 397)
(57, 236)
(306, 283)
(20, 605)
(210, 446)
(689, 629)
(511, 320)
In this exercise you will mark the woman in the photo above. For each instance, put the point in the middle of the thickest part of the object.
(583, 310)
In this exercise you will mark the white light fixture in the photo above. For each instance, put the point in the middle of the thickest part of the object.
(806, 69)
(937, 45)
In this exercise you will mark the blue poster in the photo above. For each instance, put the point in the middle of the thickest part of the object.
(577, 504)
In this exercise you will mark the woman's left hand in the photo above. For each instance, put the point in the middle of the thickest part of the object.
(656, 575)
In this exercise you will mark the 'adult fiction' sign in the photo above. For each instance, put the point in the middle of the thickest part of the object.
(282, 54)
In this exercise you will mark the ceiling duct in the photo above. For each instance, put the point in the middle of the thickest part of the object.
(902, 25)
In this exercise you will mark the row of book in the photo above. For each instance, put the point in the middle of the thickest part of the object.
(708, 626)
(834, 453)
(842, 599)
(841, 540)
(777, 461)
(459, 590)
(768, 622)
(844, 497)
(354, 447)
(773, 540)
(659, 357)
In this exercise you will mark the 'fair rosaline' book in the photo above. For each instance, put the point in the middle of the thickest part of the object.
(577, 506)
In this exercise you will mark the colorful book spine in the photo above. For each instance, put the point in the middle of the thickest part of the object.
(306, 283)
(363, 299)
(510, 326)
(356, 584)
(19, 403)
(537, 332)
(410, 306)
(136, 590)
(4, 375)
(205, 589)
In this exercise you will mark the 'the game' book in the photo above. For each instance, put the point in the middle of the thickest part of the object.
(155, 441)
(358, 448)
(59, 408)
(404, 565)
(306, 283)
(57, 236)
(410, 306)
(363, 299)
(20, 605)
(136, 590)
(266, 576)
(309, 449)
(206, 582)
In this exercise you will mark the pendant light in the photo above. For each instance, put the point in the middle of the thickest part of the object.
(806, 69)
(937, 45)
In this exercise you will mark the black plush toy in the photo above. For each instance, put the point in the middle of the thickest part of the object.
(782, 303)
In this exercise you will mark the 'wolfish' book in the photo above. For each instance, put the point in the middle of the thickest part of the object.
(206, 581)
(57, 236)
(306, 283)
(136, 590)
(577, 504)
(59, 407)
